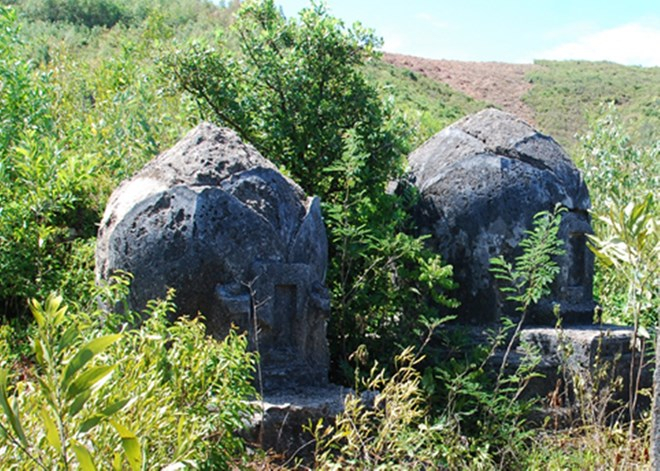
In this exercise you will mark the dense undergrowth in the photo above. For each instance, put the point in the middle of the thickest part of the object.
(92, 90)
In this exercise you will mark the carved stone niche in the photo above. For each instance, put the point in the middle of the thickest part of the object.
(290, 321)
(240, 243)
(481, 181)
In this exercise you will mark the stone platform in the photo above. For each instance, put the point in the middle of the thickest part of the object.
(283, 420)
(584, 366)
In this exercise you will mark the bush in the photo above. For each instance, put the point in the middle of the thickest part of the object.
(23, 92)
(87, 13)
(623, 179)
(155, 396)
(294, 91)
(390, 433)
(68, 137)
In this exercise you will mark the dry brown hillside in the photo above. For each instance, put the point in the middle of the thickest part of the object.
(498, 83)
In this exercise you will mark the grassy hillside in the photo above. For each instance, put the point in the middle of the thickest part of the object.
(565, 94)
(427, 105)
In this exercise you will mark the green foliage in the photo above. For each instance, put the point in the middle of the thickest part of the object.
(89, 13)
(68, 379)
(531, 277)
(588, 447)
(389, 433)
(294, 91)
(150, 397)
(476, 428)
(482, 417)
(535, 268)
(623, 178)
(484, 422)
(69, 137)
(23, 97)
(630, 245)
(565, 93)
(53, 184)
(84, 105)
(382, 279)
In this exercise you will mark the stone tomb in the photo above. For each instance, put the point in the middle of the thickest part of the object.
(219, 223)
(481, 181)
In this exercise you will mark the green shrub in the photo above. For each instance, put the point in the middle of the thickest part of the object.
(88, 13)
(384, 282)
(623, 179)
(479, 405)
(389, 433)
(69, 137)
(294, 91)
(23, 93)
(150, 397)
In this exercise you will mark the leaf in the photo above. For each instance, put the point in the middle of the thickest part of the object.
(53, 303)
(11, 414)
(90, 423)
(88, 379)
(84, 457)
(131, 445)
(52, 434)
(78, 403)
(116, 407)
(116, 462)
(39, 351)
(68, 338)
(85, 354)
(109, 411)
(37, 312)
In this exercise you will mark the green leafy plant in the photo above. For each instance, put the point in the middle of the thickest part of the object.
(150, 397)
(70, 133)
(530, 279)
(632, 247)
(23, 98)
(389, 432)
(619, 172)
(482, 414)
(384, 282)
(68, 379)
(293, 91)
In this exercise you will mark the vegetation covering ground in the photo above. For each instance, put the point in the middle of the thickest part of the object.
(567, 97)
(91, 90)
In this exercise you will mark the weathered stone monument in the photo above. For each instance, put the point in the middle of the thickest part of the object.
(219, 223)
(481, 181)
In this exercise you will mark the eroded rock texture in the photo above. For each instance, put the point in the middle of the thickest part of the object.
(216, 221)
(481, 181)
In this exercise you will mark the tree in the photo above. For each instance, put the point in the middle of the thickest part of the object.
(294, 90)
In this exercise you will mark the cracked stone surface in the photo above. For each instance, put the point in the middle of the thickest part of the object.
(218, 222)
(481, 181)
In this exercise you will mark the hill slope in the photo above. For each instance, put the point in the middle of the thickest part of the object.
(497, 83)
(557, 97)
